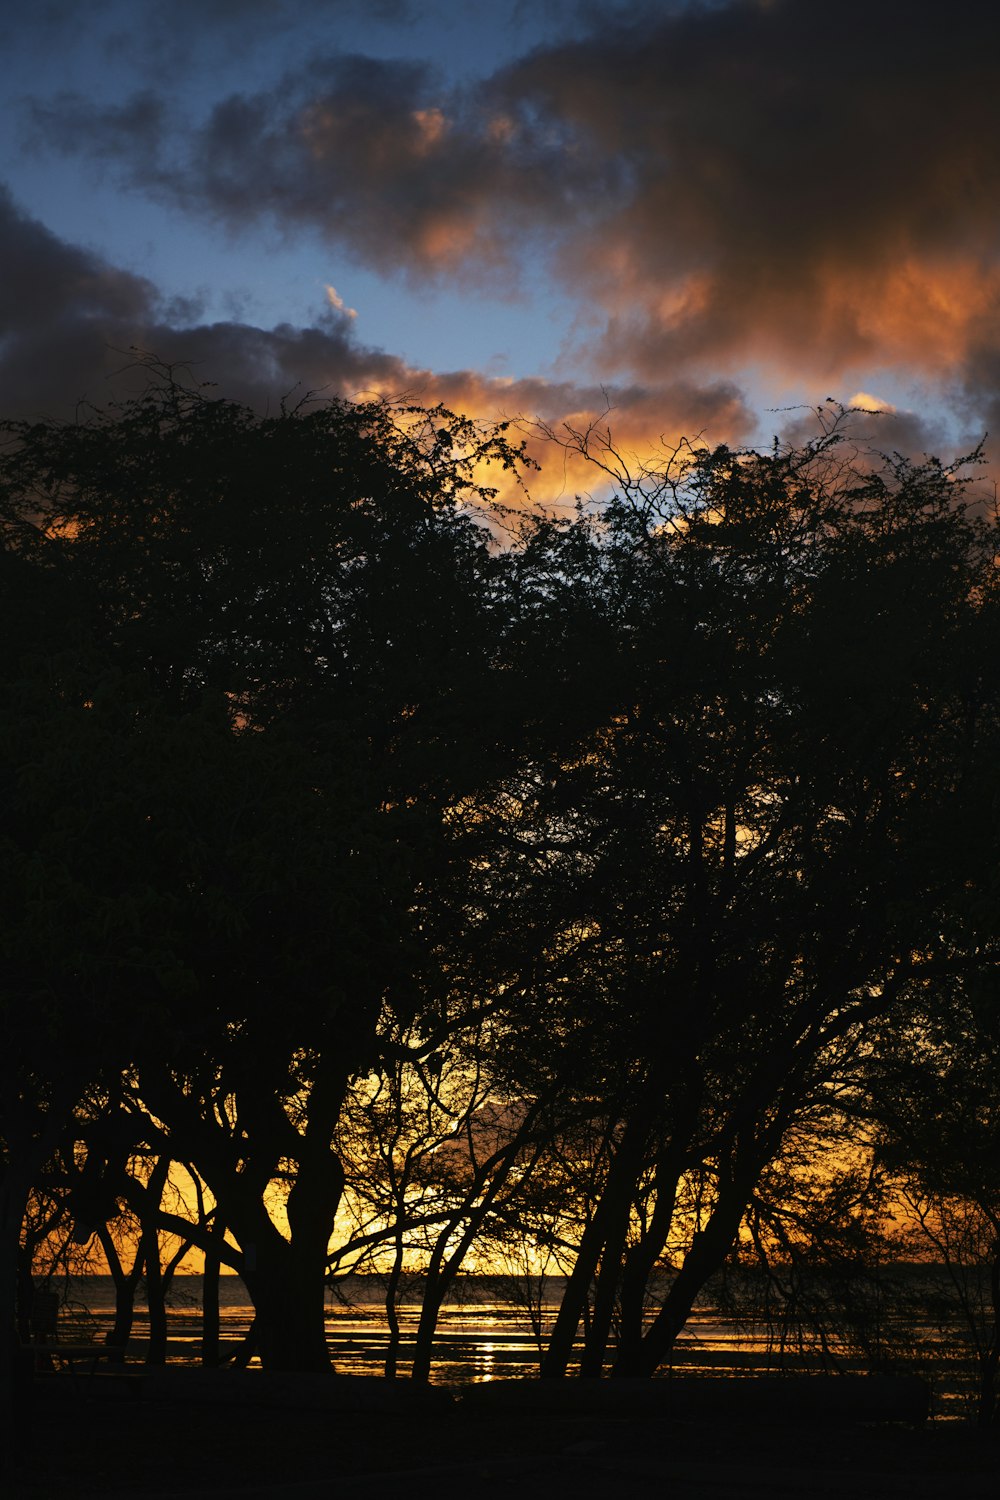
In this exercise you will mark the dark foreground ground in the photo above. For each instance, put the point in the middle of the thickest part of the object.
(191, 1433)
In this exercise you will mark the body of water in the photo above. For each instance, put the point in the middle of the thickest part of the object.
(484, 1334)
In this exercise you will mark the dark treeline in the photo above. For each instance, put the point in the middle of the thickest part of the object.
(427, 883)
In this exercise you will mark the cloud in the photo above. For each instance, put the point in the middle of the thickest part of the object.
(373, 154)
(338, 304)
(631, 426)
(869, 429)
(68, 320)
(866, 402)
(717, 182)
(159, 39)
(811, 189)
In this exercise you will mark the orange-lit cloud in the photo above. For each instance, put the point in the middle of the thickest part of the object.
(863, 401)
(68, 320)
(718, 185)
(338, 304)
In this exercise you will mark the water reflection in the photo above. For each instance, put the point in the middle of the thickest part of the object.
(482, 1338)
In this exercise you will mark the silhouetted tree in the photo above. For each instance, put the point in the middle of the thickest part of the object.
(311, 777)
(304, 603)
(933, 1100)
(93, 927)
(434, 1157)
(772, 713)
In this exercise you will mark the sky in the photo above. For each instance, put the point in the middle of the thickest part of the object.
(695, 217)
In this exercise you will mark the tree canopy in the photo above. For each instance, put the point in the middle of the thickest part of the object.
(326, 780)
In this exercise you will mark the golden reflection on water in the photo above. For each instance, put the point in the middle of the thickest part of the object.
(484, 1362)
(478, 1340)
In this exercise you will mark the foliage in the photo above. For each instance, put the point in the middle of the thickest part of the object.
(935, 1105)
(756, 826)
(541, 880)
(287, 619)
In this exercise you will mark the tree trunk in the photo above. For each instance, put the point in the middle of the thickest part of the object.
(210, 1297)
(392, 1311)
(26, 1152)
(486, 1186)
(150, 1257)
(286, 1278)
(423, 1344)
(612, 1207)
(442, 1268)
(991, 1362)
(709, 1249)
(25, 1291)
(289, 1296)
(157, 1351)
(605, 1293)
(125, 1284)
(642, 1258)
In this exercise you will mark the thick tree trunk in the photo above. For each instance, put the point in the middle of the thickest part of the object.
(287, 1285)
(25, 1291)
(289, 1291)
(708, 1251)
(641, 1259)
(15, 1372)
(612, 1208)
(125, 1284)
(10, 1375)
(605, 1294)
(286, 1278)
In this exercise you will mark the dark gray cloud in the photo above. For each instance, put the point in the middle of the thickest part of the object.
(70, 321)
(69, 318)
(131, 134)
(977, 391)
(359, 149)
(870, 430)
(804, 184)
(165, 42)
